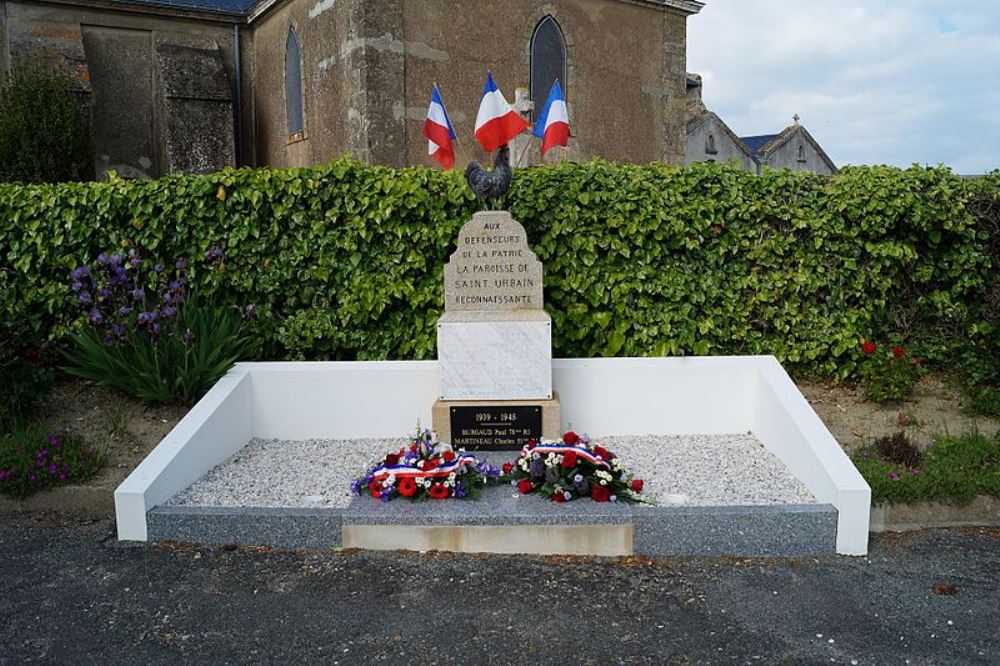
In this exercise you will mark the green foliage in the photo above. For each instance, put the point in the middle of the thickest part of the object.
(889, 374)
(43, 137)
(192, 352)
(25, 376)
(344, 261)
(31, 460)
(954, 469)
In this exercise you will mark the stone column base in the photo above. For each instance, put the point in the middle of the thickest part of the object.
(502, 425)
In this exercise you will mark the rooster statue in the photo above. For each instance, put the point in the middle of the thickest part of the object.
(489, 186)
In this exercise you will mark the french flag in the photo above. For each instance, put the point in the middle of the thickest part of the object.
(496, 122)
(552, 126)
(439, 132)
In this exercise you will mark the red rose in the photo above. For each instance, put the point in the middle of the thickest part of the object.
(600, 493)
(602, 453)
(438, 491)
(375, 487)
(898, 352)
(569, 460)
(571, 438)
(558, 498)
(868, 347)
(532, 443)
(637, 485)
(391, 459)
(507, 468)
(407, 487)
(524, 486)
(448, 456)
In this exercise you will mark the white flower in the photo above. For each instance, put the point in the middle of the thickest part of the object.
(614, 498)
(578, 478)
(390, 480)
(603, 482)
(568, 495)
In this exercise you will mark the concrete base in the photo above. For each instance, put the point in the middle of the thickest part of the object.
(551, 414)
(503, 522)
(595, 540)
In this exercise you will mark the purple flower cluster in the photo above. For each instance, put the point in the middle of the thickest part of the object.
(122, 296)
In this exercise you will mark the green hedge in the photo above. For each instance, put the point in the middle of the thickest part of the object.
(344, 261)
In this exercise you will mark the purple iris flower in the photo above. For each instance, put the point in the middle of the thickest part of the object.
(105, 293)
(116, 259)
(181, 264)
(102, 259)
(187, 337)
(95, 316)
(137, 294)
(84, 297)
(124, 310)
(356, 487)
(169, 311)
(77, 286)
(460, 491)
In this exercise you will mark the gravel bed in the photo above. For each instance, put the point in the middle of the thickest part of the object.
(690, 470)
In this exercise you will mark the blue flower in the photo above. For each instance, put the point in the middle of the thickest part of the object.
(460, 491)
(84, 297)
(137, 294)
(124, 310)
(356, 487)
(102, 259)
(95, 316)
(158, 268)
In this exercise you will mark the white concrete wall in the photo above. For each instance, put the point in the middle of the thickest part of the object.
(611, 396)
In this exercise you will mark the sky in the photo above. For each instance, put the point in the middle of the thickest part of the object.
(875, 81)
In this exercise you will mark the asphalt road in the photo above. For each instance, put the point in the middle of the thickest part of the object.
(72, 594)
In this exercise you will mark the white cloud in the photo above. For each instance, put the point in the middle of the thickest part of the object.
(875, 81)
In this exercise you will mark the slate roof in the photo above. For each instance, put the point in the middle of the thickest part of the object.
(233, 7)
(755, 143)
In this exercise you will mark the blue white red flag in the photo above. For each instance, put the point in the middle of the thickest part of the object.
(439, 132)
(496, 122)
(552, 126)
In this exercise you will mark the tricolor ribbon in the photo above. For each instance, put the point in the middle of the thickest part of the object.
(384, 471)
(563, 449)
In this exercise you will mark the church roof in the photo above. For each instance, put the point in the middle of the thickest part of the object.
(756, 143)
(237, 7)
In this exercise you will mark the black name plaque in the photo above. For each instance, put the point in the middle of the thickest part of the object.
(496, 427)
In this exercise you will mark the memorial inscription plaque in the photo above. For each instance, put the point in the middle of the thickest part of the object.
(492, 267)
(495, 427)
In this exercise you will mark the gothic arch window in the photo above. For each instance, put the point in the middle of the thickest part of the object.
(802, 153)
(294, 103)
(548, 60)
(710, 147)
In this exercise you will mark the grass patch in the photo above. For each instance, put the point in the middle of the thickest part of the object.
(953, 469)
(32, 460)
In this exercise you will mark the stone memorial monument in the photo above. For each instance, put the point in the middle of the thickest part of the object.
(494, 341)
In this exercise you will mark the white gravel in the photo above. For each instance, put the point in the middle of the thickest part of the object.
(690, 470)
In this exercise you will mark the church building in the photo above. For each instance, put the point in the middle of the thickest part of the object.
(196, 85)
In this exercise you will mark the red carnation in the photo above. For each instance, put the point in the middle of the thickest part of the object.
(448, 456)
(569, 460)
(898, 352)
(507, 468)
(375, 487)
(637, 485)
(524, 486)
(571, 438)
(602, 453)
(868, 347)
(392, 459)
(407, 487)
(438, 491)
(600, 494)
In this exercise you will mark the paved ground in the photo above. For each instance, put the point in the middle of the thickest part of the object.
(72, 594)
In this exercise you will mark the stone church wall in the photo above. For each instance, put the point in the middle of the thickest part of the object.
(787, 157)
(625, 82)
(142, 125)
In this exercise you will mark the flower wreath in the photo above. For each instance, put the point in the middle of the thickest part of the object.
(427, 468)
(572, 468)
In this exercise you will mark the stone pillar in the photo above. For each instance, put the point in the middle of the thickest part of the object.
(494, 341)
